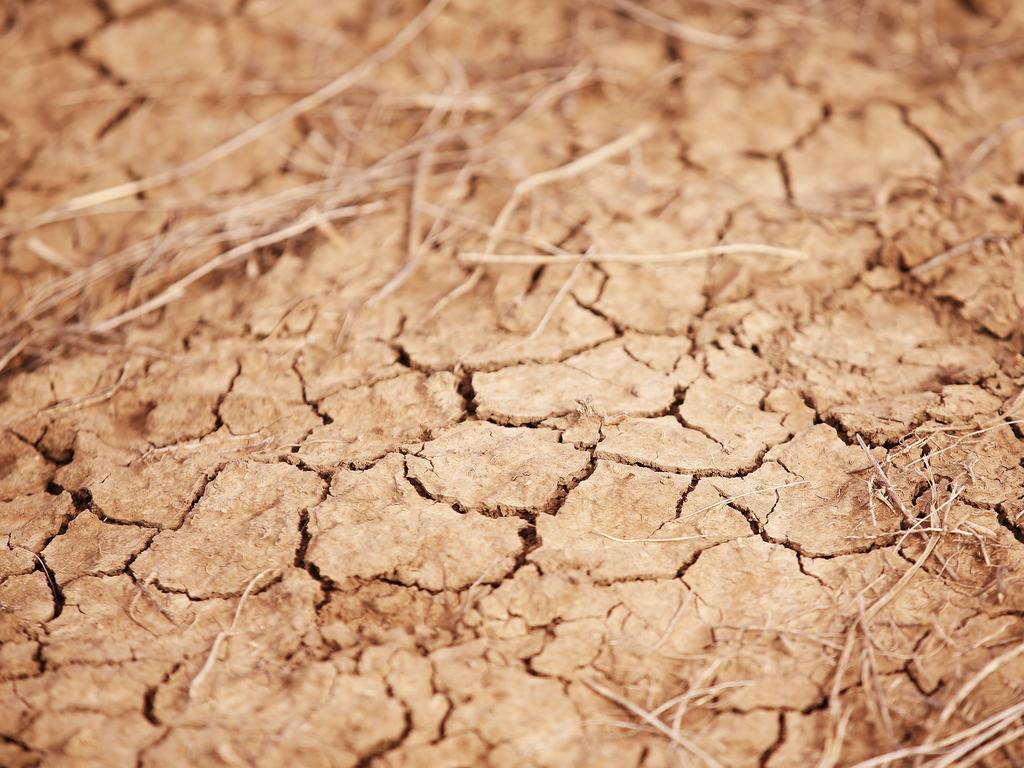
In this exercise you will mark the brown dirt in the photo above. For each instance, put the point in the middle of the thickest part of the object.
(595, 512)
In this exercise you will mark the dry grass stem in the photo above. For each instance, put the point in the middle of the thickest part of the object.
(965, 690)
(963, 438)
(552, 307)
(414, 242)
(676, 257)
(222, 636)
(989, 144)
(886, 483)
(677, 29)
(176, 290)
(51, 255)
(530, 184)
(654, 722)
(957, 250)
(937, 747)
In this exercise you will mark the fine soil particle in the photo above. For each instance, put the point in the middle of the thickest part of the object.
(570, 384)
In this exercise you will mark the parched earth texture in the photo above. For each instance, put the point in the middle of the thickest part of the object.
(598, 512)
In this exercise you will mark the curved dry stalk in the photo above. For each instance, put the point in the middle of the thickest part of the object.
(13, 352)
(781, 632)
(561, 173)
(74, 403)
(467, 285)
(756, 492)
(211, 658)
(953, 758)
(608, 536)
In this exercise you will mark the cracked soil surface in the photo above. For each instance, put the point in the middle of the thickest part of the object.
(315, 508)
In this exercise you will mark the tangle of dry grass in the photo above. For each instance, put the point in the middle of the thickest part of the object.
(463, 127)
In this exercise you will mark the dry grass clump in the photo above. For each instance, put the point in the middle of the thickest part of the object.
(957, 733)
(943, 743)
(447, 136)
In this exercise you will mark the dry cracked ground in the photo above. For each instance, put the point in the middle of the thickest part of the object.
(374, 413)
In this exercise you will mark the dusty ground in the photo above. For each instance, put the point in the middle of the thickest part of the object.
(311, 508)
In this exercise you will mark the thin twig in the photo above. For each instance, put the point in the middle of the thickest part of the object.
(467, 285)
(908, 574)
(953, 757)
(443, 213)
(835, 744)
(987, 749)
(959, 441)
(756, 492)
(608, 536)
(873, 675)
(570, 170)
(13, 352)
(669, 627)
(144, 592)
